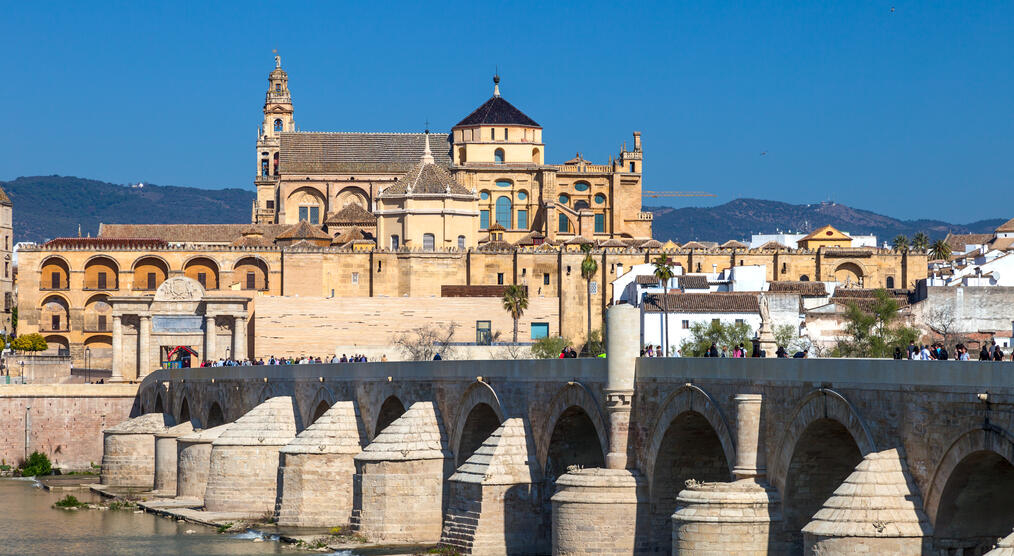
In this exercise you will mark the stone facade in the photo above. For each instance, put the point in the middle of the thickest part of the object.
(600, 511)
(193, 463)
(166, 456)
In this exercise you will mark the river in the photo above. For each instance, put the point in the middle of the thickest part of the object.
(30, 525)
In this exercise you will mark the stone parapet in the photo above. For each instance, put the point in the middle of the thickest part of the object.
(1003, 548)
(878, 509)
(400, 476)
(193, 461)
(741, 517)
(243, 474)
(166, 455)
(128, 451)
(317, 470)
(600, 511)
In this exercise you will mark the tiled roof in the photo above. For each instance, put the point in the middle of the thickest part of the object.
(825, 232)
(187, 233)
(319, 153)
(733, 244)
(304, 244)
(612, 243)
(864, 298)
(579, 240)
(497, 227)
(692, 282)
(959, 241)
(773, 245)
(497, 111)
(529, 238)
(252, 241)
(355, 233)
(1007, 226)
(646, 280)
(496, 245)
(651, 244)
(352, 214)
(1002, 243)
(426, 178)
(702, 303)
(4, 199)
(802, 288)
(694, 245)
(105, 242)
(303, 230)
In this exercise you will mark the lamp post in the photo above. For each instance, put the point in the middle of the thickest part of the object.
(88, 364)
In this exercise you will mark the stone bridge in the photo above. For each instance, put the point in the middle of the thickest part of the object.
(590, 455)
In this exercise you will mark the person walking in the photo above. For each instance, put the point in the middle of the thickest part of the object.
(984, 354)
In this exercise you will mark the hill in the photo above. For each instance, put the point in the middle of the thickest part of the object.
(740, 218)
(53, 206)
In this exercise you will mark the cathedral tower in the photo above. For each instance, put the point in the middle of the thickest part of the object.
(277, 119)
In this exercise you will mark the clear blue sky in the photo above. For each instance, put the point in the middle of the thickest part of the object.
(907, 113)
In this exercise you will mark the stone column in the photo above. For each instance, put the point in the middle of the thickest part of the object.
(117, 350)
(143, 346)
(239, 338)
(623, 331)
(750, 457)
(209, 338)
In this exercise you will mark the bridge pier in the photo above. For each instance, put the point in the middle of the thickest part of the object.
(317, 470)
(166, 454)
(193, 462)
(741, 517)
(400, 479)
(128, 451)
(243, 474)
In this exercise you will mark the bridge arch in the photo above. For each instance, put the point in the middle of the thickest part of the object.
(576, 409)
(214, 415)
(971, 496)
(389, 411)
(824, 440)
(159, 405)
(479, 415)
(322, 401)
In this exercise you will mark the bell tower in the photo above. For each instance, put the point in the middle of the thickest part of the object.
(277, 119)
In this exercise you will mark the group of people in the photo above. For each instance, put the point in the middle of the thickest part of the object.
(302, 360)
(568, 353)
(938, 352)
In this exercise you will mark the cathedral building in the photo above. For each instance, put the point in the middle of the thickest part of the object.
(496, 154)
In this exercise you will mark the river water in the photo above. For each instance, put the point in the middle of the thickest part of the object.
(29, 525)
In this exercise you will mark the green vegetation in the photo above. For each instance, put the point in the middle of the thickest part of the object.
(342, 534)
(515, 302)
(224, 527)
(873, 333)
(36, 465)
(920, 241)
(444, 551)
(549, 347)
(787, 337)
(595, 344)
(588, 269)
(69, 501)
(663, 273)
(900, 244)
(940, 250)
(702, 335)
(120, 504)
(30, 342)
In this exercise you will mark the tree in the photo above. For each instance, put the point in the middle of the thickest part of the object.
(588, 269)
(787, 336)
(900, 243)
(663, 273)
(30, 342)
(703, 334)
(421, 344)
(940, 250)
(942, 322)
(549, 347)
(920, 241)
(515, 302)
(872, 333)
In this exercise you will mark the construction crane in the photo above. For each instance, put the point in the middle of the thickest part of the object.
(654, 194)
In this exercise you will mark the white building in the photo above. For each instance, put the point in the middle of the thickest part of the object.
(791, 240)
(681, 310)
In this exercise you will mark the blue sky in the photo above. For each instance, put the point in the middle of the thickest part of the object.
(907, 113)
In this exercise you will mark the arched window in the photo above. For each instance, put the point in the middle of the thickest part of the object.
(600, 198)
(581, 186)
(498, 156)
(461, 155)
(522, 195)
(395, 242)
(582, 204)
(890, 282)
(278, 87)
(804, 278)
(503, 212)
(278, 125)
(461, 242)
(428, 241)
(484, 195)
(535, 156)
(564, 224)
(564, 199)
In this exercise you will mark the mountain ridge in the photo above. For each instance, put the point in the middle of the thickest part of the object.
(46, 207)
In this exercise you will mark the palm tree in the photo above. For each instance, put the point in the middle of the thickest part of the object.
(664, 273)
(900, 243)
(515, 301)
(588, 269)
(940, 250)
(920, 241)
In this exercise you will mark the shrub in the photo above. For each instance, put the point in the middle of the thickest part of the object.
(549, 347)
(30, 342)
(69, 501)
(36, 465)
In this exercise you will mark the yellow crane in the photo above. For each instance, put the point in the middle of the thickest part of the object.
(654, 194)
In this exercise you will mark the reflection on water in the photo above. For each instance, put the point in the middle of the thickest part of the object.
(30, 525)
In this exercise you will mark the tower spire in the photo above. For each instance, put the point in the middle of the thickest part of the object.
(496, 83)
(427, 157)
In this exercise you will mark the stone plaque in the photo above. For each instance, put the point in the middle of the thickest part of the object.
(177, 323)
(179, 288)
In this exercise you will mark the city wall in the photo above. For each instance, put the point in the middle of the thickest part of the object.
(64, 421)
